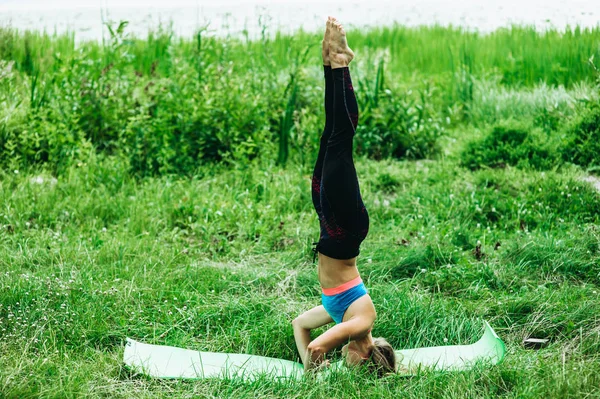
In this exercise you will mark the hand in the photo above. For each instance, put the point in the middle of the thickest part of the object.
(317, 367)
(324, 364)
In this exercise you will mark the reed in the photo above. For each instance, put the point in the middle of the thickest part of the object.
(168, 104)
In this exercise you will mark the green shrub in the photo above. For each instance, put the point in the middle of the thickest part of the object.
(168, 105)
(41, 137)
(511, 143)
(582, 139)
(180, 123)
(98, 100)
(387, 183)
(398, 126)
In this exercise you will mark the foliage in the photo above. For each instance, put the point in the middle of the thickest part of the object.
(397, 125)
(511, 143)
(582, 138)
(169, 105)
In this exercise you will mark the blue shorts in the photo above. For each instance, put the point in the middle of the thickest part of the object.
(337, 300)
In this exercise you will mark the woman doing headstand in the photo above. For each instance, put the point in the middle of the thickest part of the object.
(344, 223)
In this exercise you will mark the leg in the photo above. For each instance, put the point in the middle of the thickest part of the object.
(317, 173)
(316, 179)
(340, 182)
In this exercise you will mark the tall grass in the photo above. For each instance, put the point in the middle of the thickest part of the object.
(521, 55)
(168, 104)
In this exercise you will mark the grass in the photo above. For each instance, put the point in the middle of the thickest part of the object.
(141, 197)
(222, 263)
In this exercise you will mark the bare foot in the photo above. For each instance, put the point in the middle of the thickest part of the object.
(325, 50)
(340, 54)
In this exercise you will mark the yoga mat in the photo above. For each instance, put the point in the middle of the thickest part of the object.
(170, 362)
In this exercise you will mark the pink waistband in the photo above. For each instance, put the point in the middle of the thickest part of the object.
(341, 288)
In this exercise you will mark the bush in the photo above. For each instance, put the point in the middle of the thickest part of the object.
(582, 139)
(180, 123)
(512, 144)
(387, 183)
(98, 100)
(397, 126)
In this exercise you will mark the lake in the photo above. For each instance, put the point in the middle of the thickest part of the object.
(85, 17)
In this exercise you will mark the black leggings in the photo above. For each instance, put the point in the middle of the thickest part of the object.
(336, 196)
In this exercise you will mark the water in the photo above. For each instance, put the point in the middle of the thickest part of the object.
(85, 17)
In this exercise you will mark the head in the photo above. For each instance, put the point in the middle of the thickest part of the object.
(379, 356)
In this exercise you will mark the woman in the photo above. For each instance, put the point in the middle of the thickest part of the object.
(344, 225)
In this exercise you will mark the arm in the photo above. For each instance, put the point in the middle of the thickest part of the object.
(303, 324)
(334, 337)
(362, 315)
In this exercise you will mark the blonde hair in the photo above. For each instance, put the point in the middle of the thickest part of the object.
(382, 359)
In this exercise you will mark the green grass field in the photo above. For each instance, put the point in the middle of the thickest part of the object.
(145, 193)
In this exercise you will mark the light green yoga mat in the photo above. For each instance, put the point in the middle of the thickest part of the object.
(170, 362)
